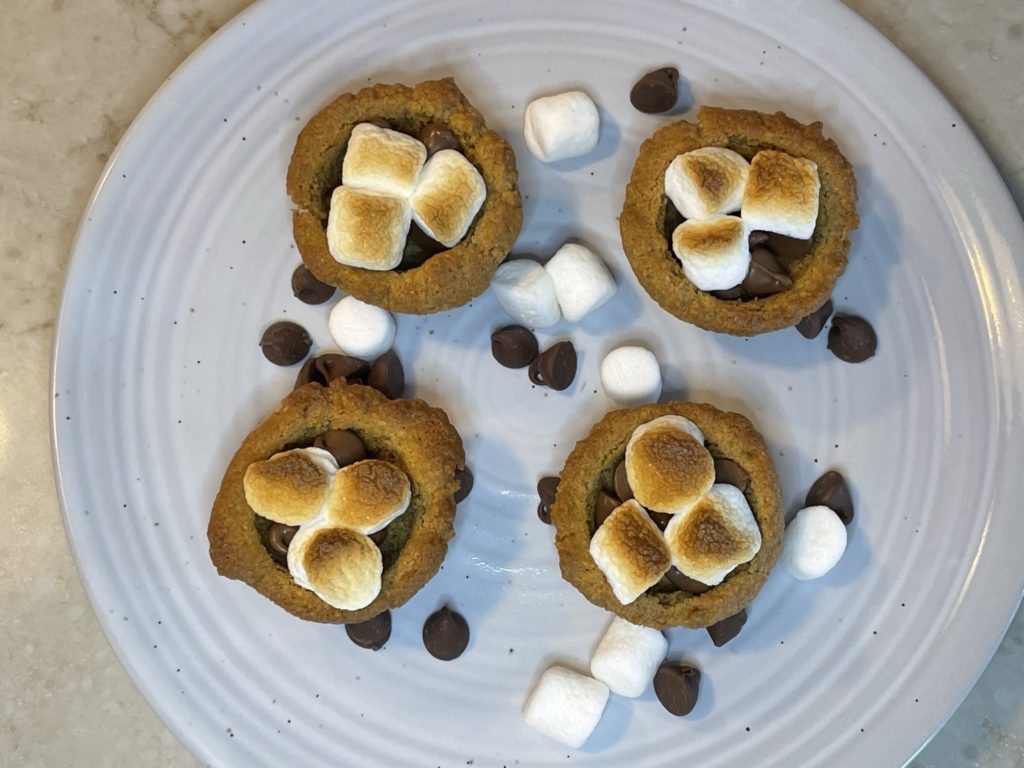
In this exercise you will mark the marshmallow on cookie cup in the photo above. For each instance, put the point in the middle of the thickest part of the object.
(667, 465)
(582, 281)
(526, 291)
(629, 550)
(341, 566)
(368, 495)
(290, 487)
(448, 197)
(706, 182)
(561, 126)
(714, 252)
(782, 195)
(382, 160)
(367, 229)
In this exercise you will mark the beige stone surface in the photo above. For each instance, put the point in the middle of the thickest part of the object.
(73, 73)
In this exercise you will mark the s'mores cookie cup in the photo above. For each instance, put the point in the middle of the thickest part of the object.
(340, 505)
(698, 522)
(403, 197)
(739, 222)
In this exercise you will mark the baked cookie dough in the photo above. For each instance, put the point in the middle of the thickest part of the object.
(588, 471)
(447, 279)
(641, 223)
(408, 433)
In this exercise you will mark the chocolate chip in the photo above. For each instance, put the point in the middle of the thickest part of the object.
(729, 294)
(380, 122)
(757, 238)
(725, 630)
(465, 480)
(660, 519)
(378, 537)
(811, 325)
(436, 137)
(386, 375)
(279, 537)
(285, 343)
(324, 369)
(728, 471)
(555, 367)
(685, 583)
(547, 487)
(514, 346)
(620, 481)
(544, 513)
(852, 339)
(445, 634)
(765, 276)
(371, 634)
(656, 91)
(419, 246)
(832, 491)
(344, 445)
(307, 288)
(787, 249)
(677, 687)
(604, 505)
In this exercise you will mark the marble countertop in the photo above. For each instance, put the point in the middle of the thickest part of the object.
(73, 74)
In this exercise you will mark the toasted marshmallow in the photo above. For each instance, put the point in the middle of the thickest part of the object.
(814, 542)
(627, 657)
(714, 252)
(714, 536)
(582, 281)
(629, 550)
(342, 567)
(631, 375)
(565, 706)
(706, 182)
(290, 487)
(382, 160)
(667, 465)
(525, 289)
(782, 194)
(561, 126)
(361, 330)
(368, 495)
(367, 229)
(448, 196)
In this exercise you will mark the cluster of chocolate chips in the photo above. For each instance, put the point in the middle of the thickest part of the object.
(385, 374)
(516, 347)
(445, 633)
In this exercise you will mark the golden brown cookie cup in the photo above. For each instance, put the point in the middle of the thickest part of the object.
(447, 279)
(641, 223)
(411, 434)
(589, 469)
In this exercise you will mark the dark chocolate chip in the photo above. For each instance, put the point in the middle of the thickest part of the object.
(371, 634)
(387, 376)
(620, 481)
(729, 294)
(378, 537)
(685, 583)
(604, 505)
(344, 445)
(787, 249)
(544, 513)
(852, 339)
(728, 471)
(811, 325)
(445, 634)
(514, 346)
(757, 238)
(307, 288)
(436, 137)
(832, 491)
(556, 366)
(279, 537)
(656, 91)
(465, 480)
(380, 122)
(725, 630)
(324, 369)
(660, 519)
(285, 343)
(765, 277)
(677, 687)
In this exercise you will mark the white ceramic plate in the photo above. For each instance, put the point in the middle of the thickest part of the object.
(185, 256)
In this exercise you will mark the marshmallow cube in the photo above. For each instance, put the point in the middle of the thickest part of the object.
(367, 229)
(382, 160)
(448, 197)
(814, 542)
(631, 375)
(706, 182)
(582, 281)
(782, 194)
(714, 252)
(561, 126)
(566, 706)
(525, 289)
(360, 329)
(627, 657)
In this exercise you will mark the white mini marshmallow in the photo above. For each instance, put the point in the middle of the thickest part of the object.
(561, 126)
(782, 194)
(382, 160)
(360, 329)
(714, 252)
(627, 657)
(631, 375)
(525, 289)
(566, 706)
(706, 181)
(582, 281)
(814, 542)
